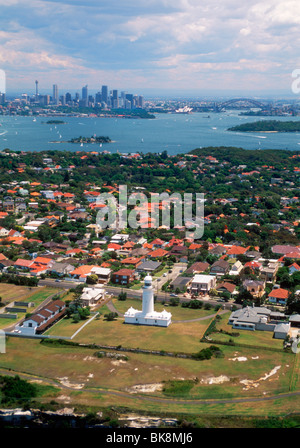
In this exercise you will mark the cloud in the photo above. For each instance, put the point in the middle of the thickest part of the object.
(150, 42)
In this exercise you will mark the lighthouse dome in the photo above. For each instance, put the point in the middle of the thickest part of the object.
(148, 280)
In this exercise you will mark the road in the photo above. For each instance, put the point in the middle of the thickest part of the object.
(137, 294)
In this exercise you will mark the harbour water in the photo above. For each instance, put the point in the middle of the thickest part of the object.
(174, 133)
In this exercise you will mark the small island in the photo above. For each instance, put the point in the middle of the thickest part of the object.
(93, 139)
(268, 126)
(85, 140)
(55, 122)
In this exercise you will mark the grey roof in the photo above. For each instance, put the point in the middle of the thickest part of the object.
(149, 265)
(295, 318)
(250, 314)
(282, 328)
(181, 281)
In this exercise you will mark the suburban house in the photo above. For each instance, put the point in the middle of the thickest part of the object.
(103, 274)
(197, 268)
(123, 276)
(284, 249)
(202, 284)
(60, 269)
(258, 318)
(23, 264)
(81, 272)
(234, 251)
(158, 253)
(278, 296)
(218, 250)
(43, 319)
(236, 268)
(226, 287)
(180, 283)
(149, 266)
(268, 273)
(255, 287)
(91, 296)
(220, 267)
(294, 268)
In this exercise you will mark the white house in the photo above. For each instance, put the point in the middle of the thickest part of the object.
(202, 284)
(236, 268)
(42, 319)
(148, 316)
(91, 296)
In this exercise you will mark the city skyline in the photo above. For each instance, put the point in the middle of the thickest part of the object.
(179, 45)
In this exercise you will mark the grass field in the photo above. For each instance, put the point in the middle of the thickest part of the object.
(10, 293)
(186, 335)
(74, 375)
(88, 380)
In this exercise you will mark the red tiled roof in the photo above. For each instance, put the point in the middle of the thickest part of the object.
(23, 263)
(237, 250)
(279, 293)
(127, 272)
(158, 253)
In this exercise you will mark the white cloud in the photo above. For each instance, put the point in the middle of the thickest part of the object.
(176, 39)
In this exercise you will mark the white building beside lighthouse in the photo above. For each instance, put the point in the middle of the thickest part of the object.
(148, 316)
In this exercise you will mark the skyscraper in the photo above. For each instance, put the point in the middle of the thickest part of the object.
(55, 94)
(84, 101)
(115, 99)
(104, 94)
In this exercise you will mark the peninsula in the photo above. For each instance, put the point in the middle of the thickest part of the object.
(268, 126)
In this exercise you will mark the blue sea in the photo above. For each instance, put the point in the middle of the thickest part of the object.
(174, 133)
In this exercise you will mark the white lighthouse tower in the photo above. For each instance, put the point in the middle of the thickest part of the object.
(148, 316)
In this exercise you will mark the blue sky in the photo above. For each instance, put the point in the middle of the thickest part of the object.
(199, 45)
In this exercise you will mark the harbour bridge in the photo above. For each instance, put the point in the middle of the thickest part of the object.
(245, 101)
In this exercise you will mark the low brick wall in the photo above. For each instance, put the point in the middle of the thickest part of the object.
(13, 309)
(8, 316)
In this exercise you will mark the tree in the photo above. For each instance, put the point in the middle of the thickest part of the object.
(92, 279)
(122, 296)
(110, 316)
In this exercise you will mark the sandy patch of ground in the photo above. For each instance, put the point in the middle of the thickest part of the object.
(215, 380)
(239, 358)
(255, 383)
(64, 398)
(145, 388)
(118, 362)
(65, 382)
